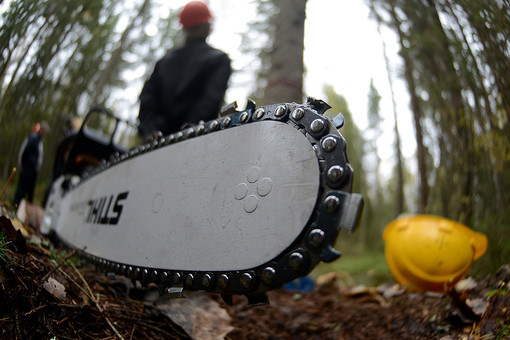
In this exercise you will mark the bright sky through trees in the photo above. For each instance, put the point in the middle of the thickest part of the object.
(342, 48)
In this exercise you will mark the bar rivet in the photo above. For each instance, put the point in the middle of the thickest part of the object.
(329, 144)
(316, 237)
(268, 274)
(280, 111)
(317, 125)
(259, 113)
(335, 173)
(189, 279)
(295, 260)
(206, 280)
(246, 280)
(223, 281)
(298, 113)
(176, 278)
(226, 122)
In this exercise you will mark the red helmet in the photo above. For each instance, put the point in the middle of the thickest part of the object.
(194, 13)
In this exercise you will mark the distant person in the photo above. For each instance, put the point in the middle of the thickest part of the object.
(67, 137)
(29, 161)
(188, 84)
(72, 124)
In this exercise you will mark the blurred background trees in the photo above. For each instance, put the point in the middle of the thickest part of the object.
(59, 57)
(456, 64)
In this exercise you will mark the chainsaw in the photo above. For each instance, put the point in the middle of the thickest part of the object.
(239, 205)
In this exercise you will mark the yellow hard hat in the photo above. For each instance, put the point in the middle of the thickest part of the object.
(430, 253)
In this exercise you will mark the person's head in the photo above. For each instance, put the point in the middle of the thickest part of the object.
(76, 123)
(43, 129)
(195, 19)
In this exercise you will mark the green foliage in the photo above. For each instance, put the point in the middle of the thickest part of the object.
(504, 291)
(54, 56)
(373, 111)
(356, 143)
(58, 256)
(502, 331)
(3, 246)
(358, 265)
(258, 40)
(498, 250)
(379, 196)
(456, 63)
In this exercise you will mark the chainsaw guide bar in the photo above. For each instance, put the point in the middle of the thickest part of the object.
(241, 204)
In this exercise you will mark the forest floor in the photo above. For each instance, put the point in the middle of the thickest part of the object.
(48, 293)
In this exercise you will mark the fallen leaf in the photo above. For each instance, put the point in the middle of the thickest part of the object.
(389, 290)
(30, 214)
(18, 242)
(55, 288)
(478, 306)
(327, 279)
(359, 290)
(466, 284)
(200, 316)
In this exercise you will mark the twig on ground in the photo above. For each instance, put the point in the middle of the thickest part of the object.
(35, 310)
(132, 332)
(19, 279)
(17, 323)
(154, 328)
(59, 305)
(493, 297)
(7, 183)
(72, 280)
(96, 302)
(379, 298)
(45, 277)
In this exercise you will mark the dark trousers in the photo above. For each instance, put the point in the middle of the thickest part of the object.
(26, 185)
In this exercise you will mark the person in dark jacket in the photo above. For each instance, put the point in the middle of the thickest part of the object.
(188, 84)
(29, 160)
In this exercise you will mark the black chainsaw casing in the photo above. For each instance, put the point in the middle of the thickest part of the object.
(85, 149)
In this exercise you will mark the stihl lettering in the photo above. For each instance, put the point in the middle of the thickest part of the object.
(100, 212)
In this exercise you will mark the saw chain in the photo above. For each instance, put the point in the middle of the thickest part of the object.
(335, 208)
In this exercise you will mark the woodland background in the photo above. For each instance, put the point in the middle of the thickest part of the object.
(60, 57)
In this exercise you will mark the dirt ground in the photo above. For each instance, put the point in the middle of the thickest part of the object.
(48, 293)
